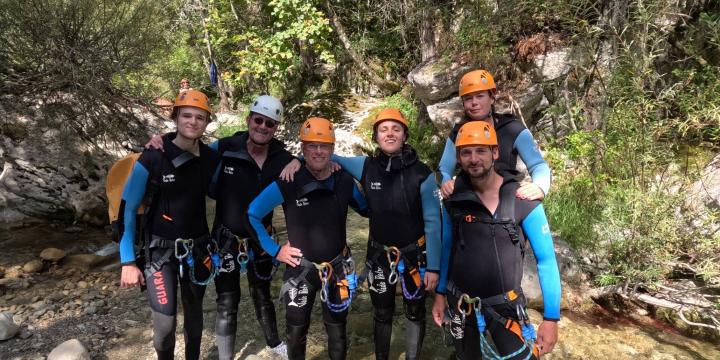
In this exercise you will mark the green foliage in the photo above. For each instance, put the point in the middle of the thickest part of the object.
(230, 129)
(268, 48)
(619, 188)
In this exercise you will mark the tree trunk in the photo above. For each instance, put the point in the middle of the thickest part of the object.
(428, 48)
(222, 89)
(384, 85)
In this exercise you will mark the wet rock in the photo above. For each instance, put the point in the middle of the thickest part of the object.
(33, 266)
(14, 272)
(69, 350)
(73, 229)
(52, 254)
(8, 328)
(85, 261)
(436, 79)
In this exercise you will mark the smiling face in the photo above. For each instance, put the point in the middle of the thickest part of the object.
(258, 130)
(317, 154)
(477, 160)
(390, 136)
(478, 105)
(191, 122)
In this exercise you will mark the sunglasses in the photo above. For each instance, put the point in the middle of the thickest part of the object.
(268, 123)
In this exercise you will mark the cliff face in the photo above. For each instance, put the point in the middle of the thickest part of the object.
(48, 172)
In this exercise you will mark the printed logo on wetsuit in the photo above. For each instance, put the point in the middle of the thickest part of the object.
(379, 286)
(302, 202)
(375, 185)
(457, 328)
(545, 229)
(168, 178)
(160, 292)
(229, 170)
(298, 296)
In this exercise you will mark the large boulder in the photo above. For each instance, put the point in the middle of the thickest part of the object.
(571, 274)
(444, 115)
(704, 198)
(437, 79)
(530, 100)
(69, 350)
(52, 254)
(552, 65)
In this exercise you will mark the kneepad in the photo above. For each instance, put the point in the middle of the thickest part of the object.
(383, 315)
(414, 310)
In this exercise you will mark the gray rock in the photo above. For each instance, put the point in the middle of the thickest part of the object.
(73, 229)
(52, 254)
(530, 100)
(445, 114)
(569, 273)
(8, 328)
(33, 266)
(85, 261)
(69, 350)
(82, 284)
(13, 272)
(435, 80)
(553, 65)
(90, 310)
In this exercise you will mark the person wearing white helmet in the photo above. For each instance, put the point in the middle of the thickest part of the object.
(251, 160)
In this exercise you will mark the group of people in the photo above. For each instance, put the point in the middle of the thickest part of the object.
(463, 239)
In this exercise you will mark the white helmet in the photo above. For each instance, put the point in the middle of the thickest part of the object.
(268, 106)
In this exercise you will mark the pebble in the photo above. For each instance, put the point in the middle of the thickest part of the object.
(69, 350)
(90, 310)
(8, 328)
(52, 254)
(39, 304)
(82, 284)
(33, 266)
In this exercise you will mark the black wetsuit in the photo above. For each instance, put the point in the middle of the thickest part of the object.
(486, 261)
(394, 188)
(315, 213)
(238, 181)
(177, 211)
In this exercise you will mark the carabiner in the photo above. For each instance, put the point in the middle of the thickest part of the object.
(391, 251)
(186, 245)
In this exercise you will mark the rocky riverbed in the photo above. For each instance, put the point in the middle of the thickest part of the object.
(79, 298)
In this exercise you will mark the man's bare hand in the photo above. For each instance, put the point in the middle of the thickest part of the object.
(547, 336)
(289, 255)
(131, 276)
(447, 188)
(156, 142)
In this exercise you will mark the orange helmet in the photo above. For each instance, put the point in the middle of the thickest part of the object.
(318, 129)
(391, 114)
(192, 98)
(476, 133)
(476, 80)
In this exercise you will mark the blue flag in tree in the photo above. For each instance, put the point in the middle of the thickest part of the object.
(213, 74)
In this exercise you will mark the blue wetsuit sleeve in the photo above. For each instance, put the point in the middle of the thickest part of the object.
(530, 155)
(431, 218)
(537, 231)
(353, 165)
(215, 145)
(446, 233)
(132, 195)
(448, 161)
(358, 203)
(262, 205)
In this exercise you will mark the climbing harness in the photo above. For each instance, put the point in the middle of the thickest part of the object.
(244, 256)
(466, 305)
(327, 272)
(184, 254)
(396, 259)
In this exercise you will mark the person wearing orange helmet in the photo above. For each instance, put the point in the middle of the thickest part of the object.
(172, 186)
(316, 253)
(404, 242)
(251, 160)
(477, 90)
(479, 293)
